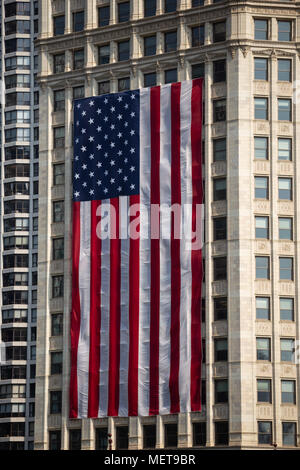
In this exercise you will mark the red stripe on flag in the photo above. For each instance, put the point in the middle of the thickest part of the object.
(95, 315)
(196, 255)
(75, 314)
(175, 249)
(155, 253)
(134, 302)
(115, 312)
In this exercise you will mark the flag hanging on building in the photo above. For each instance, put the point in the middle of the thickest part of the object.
(136, 283)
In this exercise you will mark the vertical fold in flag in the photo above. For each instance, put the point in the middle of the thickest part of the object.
(136, 285)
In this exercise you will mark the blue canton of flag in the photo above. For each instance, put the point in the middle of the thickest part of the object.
(106, 146)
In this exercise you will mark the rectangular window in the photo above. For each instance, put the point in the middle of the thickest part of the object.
(219, 110)
(123, 12)
(55, 440)
(219, 31)
(57, 324)
(122, 437)
(219, 189)
(261, 108)
(221, 433)
(264, 394)
(78, 21)
(262, 227)
(284, 110)
(171, 435)
(104, 54)
(221, 350)
(288, 394)
(220, 269)
(78, 59)
(262, 267)
(171, 41)
(263, 349)
(289, 434)
(75, 439)
(286, 309)
(261, 148)
(198, 36)
(124, 84)
(285, 228)
(55, 402)
(219, 71)
(220, 308)
(260, 29)
(285, 188)
(170, 5)
(103, 16)
(263, 308)
(57, 286)
(171, 76)
(265, 432)
(101, 438)
(284, 70)
(221, 391)
(123, 51)
(199, 434)
(104, 88)
(150, 79)
(59, 25)
(261, 187)
(56, 363)
(287, 347)
(58, 248)
(59, 100)
(59, 63)
(198, 70)
(149, 436)
(260, 69)
(285, 149)
(58, 174)
(150, 45)
(220, 228)
(149, 8)
(58, 211)
(284, 31)
(219, 150)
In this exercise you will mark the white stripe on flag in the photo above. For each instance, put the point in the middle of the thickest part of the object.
(185, 254)
(84, 289)
(105, 307)
(165, 252)
(145, 255)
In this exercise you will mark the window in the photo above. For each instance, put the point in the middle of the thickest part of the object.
(58, 248)
(149, 436)
(285, 188)
(221, 433)
(78, 59)
(19, 62)
(55, 402)
(78, 92)
(150, 79)
(263, 349)
(260, 69)
(261, 108)
(55, 440)
(150, 45)
(261, 29)
(262, 308)
(104, 54)
(265, 432)
(149, 8)
(219, 149)
(262, 227)
(58, 211)
(284, 110)
(199, 434)
(221, 350)
(56, 363)
(220, 228)
(219, 31)
(101, 438)
(286, 309)
(285, 149)
(288, 394)
(219, 189)
(198, 36)
(14, 297)
(75, 439)
(261, 187)
(284, 70)
(198, 71)
(170, 5)
(219, 71)
(122, 437)
(262, 267)
(57, 324)
(264, 391)
(59, 137)
(171, 435)
(289, 434)
(219, 110)
(59, 63)
(59, 100)
(171, 41)
(171, 76)
(261, 148)
(58, 174)
(104, 16)
(18, 98)
(123, 50)
(287, 347)
(220, 269)
(59, 25)
(220, 308)
(57, 286)
(78, 21)
(103, 88)
(284, 31)
(17, 9)
(123, 12)
(285, 228)
(124, 84)
(17, 45)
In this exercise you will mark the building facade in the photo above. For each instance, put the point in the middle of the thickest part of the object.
(247, 52)
(18, 222)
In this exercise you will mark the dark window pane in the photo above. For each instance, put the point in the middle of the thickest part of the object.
(171, 437)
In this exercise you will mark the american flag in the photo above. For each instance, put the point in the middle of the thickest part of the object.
(136, 300)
